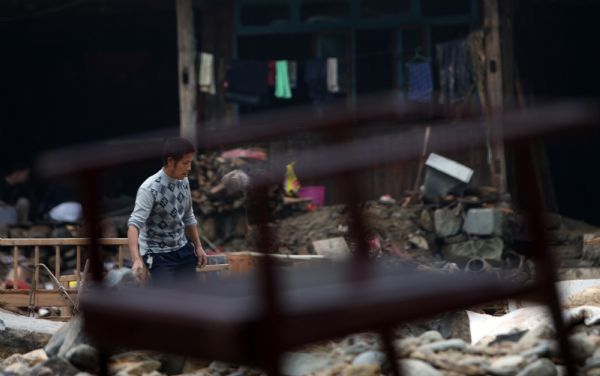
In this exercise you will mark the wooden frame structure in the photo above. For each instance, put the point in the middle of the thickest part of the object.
(238, 263)
(37, 296)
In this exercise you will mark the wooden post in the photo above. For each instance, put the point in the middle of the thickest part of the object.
(494, 89)
(36, 259)
(78, 266)
(57, 261)
(120, 257)
(186, 45)
(15, 267)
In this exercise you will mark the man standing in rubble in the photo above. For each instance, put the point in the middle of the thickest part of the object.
(163, 233)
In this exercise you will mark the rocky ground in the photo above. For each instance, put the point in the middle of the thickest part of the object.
(521, 343)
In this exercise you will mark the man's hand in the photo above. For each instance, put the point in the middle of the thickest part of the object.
(139, 271)
(202, 258)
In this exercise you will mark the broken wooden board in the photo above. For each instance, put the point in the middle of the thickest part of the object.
(245, 262)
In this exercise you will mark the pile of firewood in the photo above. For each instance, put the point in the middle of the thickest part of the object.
(210, 196)
(208, 193)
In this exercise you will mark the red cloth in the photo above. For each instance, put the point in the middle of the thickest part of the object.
(21, 285)
(271, 76)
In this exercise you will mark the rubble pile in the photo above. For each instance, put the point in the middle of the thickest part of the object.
(452, 230)
(476, 231)
(528, 348)
(208, 193)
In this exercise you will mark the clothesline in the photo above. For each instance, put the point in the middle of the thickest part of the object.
(248, 81)
(304, 61)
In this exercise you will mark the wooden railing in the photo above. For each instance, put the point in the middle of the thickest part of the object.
(236, 263)
(64, 294)
(57, 244)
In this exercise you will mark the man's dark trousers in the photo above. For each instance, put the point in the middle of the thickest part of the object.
(172, 267)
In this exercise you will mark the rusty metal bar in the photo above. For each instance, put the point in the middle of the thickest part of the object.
(89, 184)
(268, 286)
(389, 350)
(544, 119)
(545, 273)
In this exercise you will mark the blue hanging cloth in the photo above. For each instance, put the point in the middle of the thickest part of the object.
(420, 82)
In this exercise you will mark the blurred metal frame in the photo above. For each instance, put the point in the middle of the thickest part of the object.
(254, 320)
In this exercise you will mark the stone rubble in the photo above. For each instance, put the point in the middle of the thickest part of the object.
(443, 237)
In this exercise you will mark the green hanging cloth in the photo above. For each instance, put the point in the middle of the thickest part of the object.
(282, 80)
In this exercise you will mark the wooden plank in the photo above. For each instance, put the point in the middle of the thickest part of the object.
(244, 262)
(187, 73)
(212, 268)
(60, 241)
(44, 298)
(15, 267)
(275, 255)
(67, 278)
(57, 261)
(120, 257)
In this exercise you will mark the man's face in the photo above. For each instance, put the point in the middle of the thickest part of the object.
(181, 168)
(20, 176)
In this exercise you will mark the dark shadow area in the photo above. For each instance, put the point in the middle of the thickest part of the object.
(555, 44)
(98, 74)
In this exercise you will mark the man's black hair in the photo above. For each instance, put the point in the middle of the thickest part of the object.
(176, 148)
(14, 166)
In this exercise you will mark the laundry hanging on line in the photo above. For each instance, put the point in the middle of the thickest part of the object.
(455, 70)
(420, 82)
(293, 74)
(332, 75)
(282, 80)
(320, 77)
(246, 82)
(315, 77)
(206, 76)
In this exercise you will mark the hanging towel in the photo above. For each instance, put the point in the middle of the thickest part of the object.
(455, 70)
(207, 73)
(420, 83)
(246, 82)
(293, 74)
(332, 75)
(282, 81)
(315, 76)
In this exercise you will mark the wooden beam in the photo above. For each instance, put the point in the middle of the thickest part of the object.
(495, 91)
(59, 241)
(43, 298)
(186, 45)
